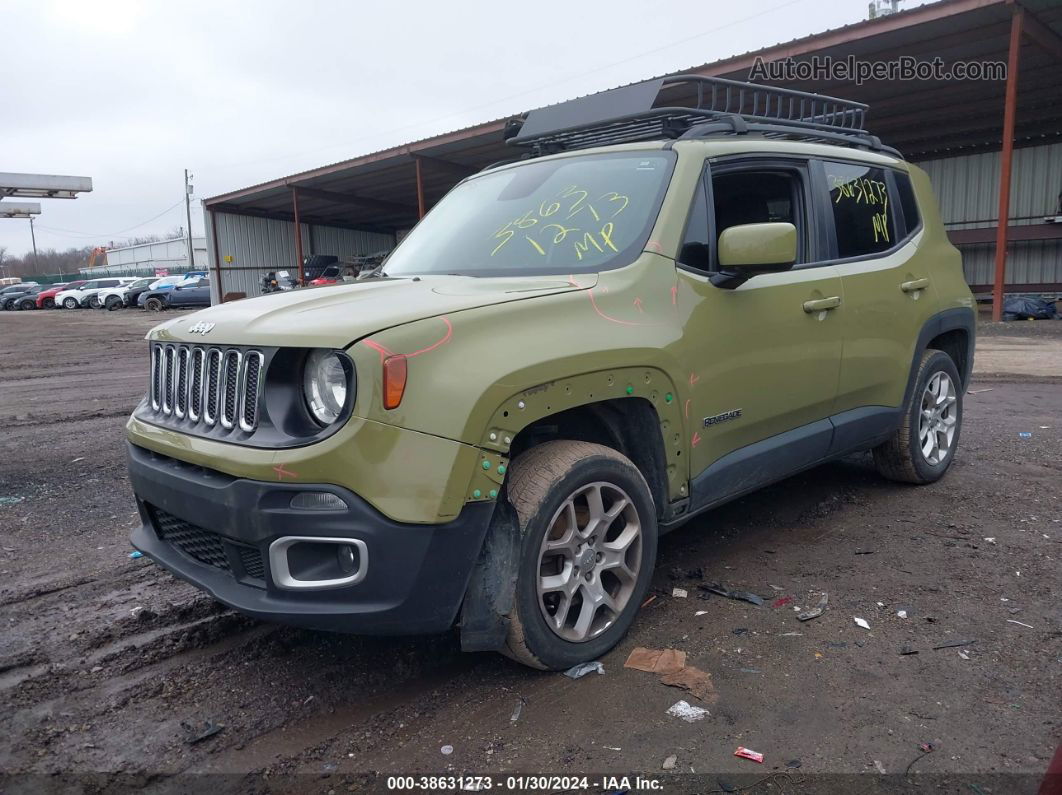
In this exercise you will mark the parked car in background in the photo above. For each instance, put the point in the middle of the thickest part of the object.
(116, 297)
(46, 299)
(196, 294)
(13, 289)
(13, 300)
(132, 296)
(79, 297)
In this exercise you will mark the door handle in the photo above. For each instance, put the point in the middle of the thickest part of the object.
(915, 285)
(822, 304)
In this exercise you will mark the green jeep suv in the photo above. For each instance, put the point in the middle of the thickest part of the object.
(659, 308)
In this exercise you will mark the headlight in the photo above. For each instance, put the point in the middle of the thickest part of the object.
(324, 385)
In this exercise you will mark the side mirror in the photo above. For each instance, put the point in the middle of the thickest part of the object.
(747, 250)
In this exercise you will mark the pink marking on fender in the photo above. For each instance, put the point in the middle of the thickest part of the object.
(445, 339)
(282, 473)
(380, 349)
(686, 408)
(654, 246)
(674, 296)
(694, 378)
(696, 440)
(638, 304)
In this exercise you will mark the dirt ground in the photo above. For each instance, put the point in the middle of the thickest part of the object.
(103, 658)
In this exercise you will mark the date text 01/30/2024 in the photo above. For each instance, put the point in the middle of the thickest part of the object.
(522, 783)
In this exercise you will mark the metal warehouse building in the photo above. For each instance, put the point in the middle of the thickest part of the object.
(145, 257)
(992, 147)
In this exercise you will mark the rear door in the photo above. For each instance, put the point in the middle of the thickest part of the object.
(762, 360)
(886, 287)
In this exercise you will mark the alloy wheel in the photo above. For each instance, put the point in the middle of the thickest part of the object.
(589, 562)
(938, 418)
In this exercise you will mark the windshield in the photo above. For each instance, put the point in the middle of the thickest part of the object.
(569, 215)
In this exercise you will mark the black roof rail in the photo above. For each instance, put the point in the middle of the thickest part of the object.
(692, 106)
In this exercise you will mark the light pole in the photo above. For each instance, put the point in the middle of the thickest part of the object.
(33, 237)
(188, 215)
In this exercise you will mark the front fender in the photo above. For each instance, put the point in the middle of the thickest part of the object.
(481, 376)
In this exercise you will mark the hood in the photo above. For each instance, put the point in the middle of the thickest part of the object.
(336, 316)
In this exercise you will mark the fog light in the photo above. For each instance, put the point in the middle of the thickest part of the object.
(317, 501)
(348, 559)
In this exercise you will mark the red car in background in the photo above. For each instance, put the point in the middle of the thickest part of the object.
(46, 299)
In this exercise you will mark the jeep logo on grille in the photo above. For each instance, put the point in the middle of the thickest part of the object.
(201, 328)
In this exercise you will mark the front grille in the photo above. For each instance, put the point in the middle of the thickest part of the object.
(206, 547)
(253, 565)
(193, 541)
(203, 386)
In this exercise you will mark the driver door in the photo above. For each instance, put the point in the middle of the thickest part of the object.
(762, 359)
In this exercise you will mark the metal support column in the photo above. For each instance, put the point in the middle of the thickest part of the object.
(217, 256)
(420, 188)
(1006, 157)
(298, 234)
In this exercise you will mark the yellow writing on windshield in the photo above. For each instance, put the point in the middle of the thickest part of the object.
(589, 236)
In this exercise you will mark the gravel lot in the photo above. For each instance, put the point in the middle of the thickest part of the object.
(93, 691)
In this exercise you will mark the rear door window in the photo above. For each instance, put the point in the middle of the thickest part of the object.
(863, 216)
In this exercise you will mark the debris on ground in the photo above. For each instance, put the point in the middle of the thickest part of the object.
(880, 767)
(700, 613)
(979, 391)
(746, 753)
(792, 634)
(739, 631)
(1021, 623)
(11, 500)
(649, 601)
(656, 661)
(908, 649)
(901, 614)
(745, 596)
(686, 711)
(782, 601)
(862, 622)
(1024, 434)
(964, 655)
(696, 681)
(816, 611)
(582, 669)
(197, 733)
(446, 750)
(793, 764)
(517, 710)
(669, 763)
(136, 553)
(990, 540)
(680, 593)
(951, 644)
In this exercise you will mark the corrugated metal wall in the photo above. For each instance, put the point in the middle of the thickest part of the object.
(259, 245)
(968, 190)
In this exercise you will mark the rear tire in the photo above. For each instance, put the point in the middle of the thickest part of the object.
(923, 447)
(588, 545)
(49, 303)
(113, 303)
(27, 304)
(154, 305)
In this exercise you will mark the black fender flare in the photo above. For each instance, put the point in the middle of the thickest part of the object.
(958, 319)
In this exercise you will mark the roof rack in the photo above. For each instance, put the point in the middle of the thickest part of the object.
(692, 106)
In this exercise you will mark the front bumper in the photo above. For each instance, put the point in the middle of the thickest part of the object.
(416, 573)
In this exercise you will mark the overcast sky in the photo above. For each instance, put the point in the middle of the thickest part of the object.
(131, 92)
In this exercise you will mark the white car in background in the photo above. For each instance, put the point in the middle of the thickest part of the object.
(117, 297)
(80, 297)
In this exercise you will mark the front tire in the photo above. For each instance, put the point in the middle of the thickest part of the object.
(70, 303)
(113, 303)
(588, 546)
(924, 446)
(154, 305)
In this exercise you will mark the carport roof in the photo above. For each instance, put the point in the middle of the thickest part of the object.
(920, 118)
